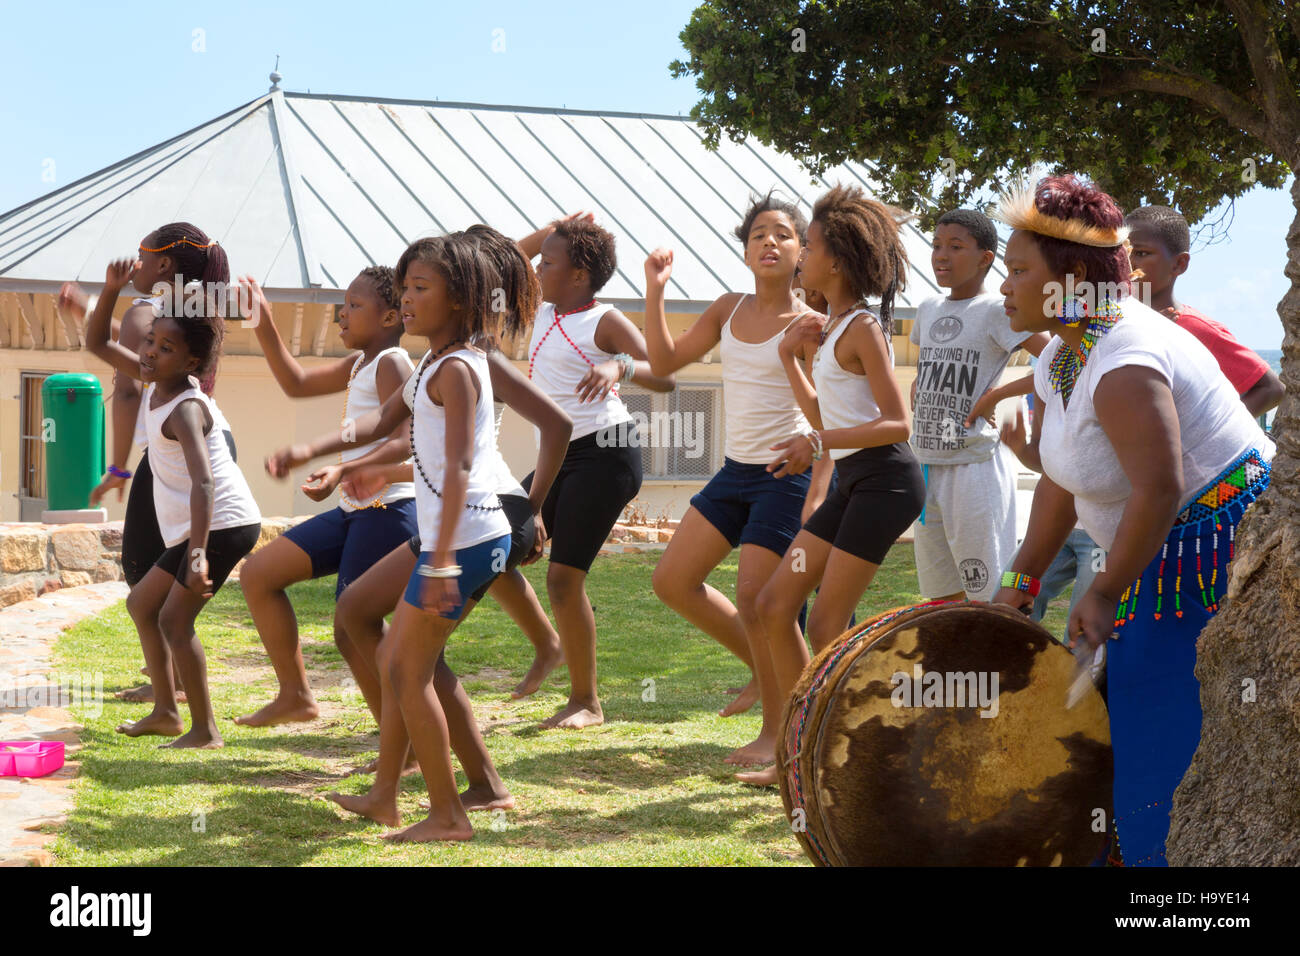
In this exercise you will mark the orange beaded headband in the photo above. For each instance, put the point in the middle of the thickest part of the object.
(188, 242)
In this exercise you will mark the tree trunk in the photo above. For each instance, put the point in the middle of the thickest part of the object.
(1239, 804)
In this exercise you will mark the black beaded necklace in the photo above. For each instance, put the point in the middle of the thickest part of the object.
(415, 456)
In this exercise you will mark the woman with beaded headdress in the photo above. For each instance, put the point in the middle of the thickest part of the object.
(1142, 438)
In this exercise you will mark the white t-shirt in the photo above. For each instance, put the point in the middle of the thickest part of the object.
(965, 345)
(1214, 427)
(560, 354)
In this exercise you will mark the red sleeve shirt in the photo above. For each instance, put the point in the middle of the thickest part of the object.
(1242, 367)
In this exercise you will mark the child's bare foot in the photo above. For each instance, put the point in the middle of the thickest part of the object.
(155, 724)
(144, 695)
(429, 830)
(412, 766)
(746, 698)
(380, 809)
(574, 717)
(485, 797)
(759, 778)
(198, 739)
(297, 709)
(757, 751)
(543, 663)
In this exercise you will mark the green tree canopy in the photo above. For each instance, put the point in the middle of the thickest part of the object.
(1160, 101)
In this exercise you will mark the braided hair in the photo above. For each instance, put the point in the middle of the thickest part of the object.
(862, 235)
(197, 259)
(519, 284)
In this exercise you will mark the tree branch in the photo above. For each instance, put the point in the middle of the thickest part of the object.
(1254, 23)
(1233, 108)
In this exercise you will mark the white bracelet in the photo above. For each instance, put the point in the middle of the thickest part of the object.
(451, 571)
(629, 366)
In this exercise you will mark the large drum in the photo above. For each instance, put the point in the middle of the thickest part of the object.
(940, 734)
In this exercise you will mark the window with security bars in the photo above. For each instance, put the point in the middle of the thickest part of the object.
(681, 430)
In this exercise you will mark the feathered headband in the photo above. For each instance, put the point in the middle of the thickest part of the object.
(1017, 209)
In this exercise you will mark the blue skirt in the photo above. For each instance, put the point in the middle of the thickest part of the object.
(1152, 691)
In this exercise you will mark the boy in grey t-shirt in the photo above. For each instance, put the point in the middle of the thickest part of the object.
(968, 528)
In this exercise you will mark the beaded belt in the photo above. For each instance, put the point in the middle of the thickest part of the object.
(1221, 502)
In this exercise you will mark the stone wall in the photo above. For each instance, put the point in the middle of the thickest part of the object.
(38, 558)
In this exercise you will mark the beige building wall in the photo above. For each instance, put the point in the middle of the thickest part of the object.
(264, 419)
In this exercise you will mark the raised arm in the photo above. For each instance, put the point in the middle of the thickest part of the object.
(294, 380)
(370, 427)
(98, 340)
(667, 355)
(796, 349)
(531, 244)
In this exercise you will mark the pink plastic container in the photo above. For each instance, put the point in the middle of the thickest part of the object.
(30, 758)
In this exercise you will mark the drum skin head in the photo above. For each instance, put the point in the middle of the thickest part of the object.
(938, 735)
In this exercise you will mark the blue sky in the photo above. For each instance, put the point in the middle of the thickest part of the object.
(87, 84)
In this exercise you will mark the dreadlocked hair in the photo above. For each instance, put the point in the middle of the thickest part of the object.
(519, 284)
(590, 248)
(384, 279)
(862, 235)
(771, 203)
(471, 278)
(1168, 225)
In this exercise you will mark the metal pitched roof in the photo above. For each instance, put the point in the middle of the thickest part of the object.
(304, 190)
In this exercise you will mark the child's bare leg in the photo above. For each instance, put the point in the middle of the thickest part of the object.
(486, 790)
(362, 666)
(845, 580)
(680, 582)
(516, 596)
(265, 576)
(179, 612)
(379, 803)
(419, 639)
(797, 576)
(144, 604)
(756, 566)
(577, 625)
(144, 693)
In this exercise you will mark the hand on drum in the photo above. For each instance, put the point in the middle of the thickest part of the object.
(1092, 620)
(1022, 601)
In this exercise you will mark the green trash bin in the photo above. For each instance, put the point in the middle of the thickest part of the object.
(73, 432)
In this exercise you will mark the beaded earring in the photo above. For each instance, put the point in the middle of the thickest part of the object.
(1074, 311)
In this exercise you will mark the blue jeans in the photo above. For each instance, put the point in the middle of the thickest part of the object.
(1073, 563)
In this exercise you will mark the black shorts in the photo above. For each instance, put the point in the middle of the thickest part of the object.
(600, 474)
(878, 493)
(142, 542)
(523, 534)
(226, 548)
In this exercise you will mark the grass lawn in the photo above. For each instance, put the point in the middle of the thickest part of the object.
(647, 788)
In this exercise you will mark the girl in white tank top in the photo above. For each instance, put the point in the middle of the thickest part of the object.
(347, 539)
(206, 515)
(744, 504)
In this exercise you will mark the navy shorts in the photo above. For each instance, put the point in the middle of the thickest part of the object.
(523, 535)
(750, 506)
(479, 565)
(347, 543)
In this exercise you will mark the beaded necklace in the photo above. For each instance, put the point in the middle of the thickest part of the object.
(1069, 362)
(378, 500)
(532, 360)
(415, 457)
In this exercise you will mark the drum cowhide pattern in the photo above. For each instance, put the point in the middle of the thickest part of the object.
(939, 735)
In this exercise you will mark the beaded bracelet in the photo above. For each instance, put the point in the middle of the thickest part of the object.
(1021, 582)
(117, 472)
(451, 571)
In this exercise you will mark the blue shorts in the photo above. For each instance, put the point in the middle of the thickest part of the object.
(479, 564)
(347, 543)
(749, 506)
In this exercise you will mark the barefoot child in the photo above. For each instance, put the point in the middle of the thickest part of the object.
(858, 418)
(743, 504)
(206, 514)
(447, 286)
(349, 538)
(177, 252)
(967, 531)
(580, 350)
